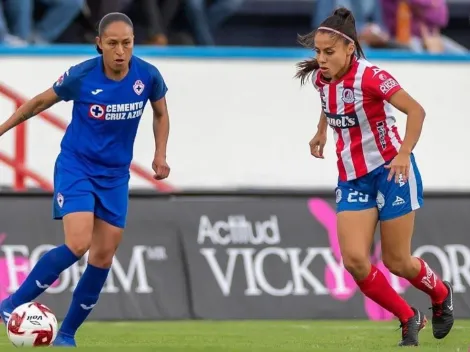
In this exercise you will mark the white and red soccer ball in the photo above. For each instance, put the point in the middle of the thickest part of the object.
(32, 325)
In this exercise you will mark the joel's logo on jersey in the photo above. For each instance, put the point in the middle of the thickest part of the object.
(97, 111)
(342, 121)
(138, 87)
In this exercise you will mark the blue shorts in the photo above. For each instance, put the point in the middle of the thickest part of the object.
(106, 197)
(374, 191)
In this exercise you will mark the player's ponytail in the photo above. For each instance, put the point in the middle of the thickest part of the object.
(347, 27)
(307, 67)
(107, 20)
(345, 14)
(342, 24)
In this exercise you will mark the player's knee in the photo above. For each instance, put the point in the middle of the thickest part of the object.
(78, 228)
(398, 265)
(101, 257)
(356, 264)
(102, 254)
(78, 239)
(79, 248)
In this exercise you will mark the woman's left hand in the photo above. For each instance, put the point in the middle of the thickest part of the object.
(400, 166)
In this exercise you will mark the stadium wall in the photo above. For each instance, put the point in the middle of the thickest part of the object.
(233, 256)
(240, 120)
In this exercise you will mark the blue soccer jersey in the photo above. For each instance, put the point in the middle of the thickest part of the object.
(106, 114)
(92, 170)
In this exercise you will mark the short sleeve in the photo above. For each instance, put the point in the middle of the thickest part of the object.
(381, 84)
(67, 87)
(316, 80)
(158, 88)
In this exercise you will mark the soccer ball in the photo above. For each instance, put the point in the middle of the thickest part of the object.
(32, 325)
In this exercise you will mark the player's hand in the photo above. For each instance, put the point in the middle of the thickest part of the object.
(317, 144)
(400, 165)
(160, 167)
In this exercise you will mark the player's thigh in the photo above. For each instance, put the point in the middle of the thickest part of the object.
(112, 200)
(355, 234)
(112, 197)
(78, 230)
(396, 237)
(357, 219)
(397, 214)
(105, 241)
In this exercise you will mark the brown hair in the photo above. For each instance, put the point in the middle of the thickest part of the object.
(342, 20)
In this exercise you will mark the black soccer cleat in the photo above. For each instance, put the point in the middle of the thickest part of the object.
(443, 315)
(410, 329)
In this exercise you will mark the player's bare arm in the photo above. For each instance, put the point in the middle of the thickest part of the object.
(161, 129)
(416, 114)
(322, 123)
(319, 140)
(29, 109)
(400, 166)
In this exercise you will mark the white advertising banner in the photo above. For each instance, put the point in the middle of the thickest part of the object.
(247, 123)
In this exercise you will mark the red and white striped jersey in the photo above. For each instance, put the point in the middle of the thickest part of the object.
(357, 108)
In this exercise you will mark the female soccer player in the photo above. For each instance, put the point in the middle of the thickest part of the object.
(91, 173)
(378, 176)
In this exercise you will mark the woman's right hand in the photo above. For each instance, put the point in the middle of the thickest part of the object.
(317, 144)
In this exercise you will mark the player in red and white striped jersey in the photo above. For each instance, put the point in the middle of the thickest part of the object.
(353, 101)
(379, 180)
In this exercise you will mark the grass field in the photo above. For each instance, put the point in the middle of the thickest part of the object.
(258, 336)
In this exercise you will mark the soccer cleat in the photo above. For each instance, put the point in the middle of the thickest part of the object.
(443, 315)
(64, 341)
(6, 308)
(411, 329)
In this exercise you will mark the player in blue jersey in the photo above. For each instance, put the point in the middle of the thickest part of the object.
(91, 176)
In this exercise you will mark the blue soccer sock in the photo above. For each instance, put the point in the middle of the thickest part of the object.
(85, 296)
(44, 273)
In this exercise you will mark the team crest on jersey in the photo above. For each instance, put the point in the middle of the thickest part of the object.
(138, 87)
(348, 96)
(97, 111)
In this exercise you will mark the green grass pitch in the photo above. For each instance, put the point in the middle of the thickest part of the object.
(257, 336)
